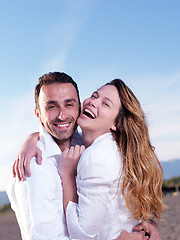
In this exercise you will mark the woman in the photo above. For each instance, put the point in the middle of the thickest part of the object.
(119, 177)
(111, 119)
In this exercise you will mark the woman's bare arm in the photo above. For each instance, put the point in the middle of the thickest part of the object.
(27, 151)
(68, 166)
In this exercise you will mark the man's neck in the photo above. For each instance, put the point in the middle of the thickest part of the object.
(63, 144)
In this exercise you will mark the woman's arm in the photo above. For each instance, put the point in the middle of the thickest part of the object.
(95, 176)
(68, 166)
(27, 151)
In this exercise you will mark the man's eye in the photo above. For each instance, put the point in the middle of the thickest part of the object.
(51, 106)
(69, 105)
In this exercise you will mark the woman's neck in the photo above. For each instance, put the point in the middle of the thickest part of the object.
(88, 137)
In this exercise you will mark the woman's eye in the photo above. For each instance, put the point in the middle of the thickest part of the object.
(93, 96)
(106, 104)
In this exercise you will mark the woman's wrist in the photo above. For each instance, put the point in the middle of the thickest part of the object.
(66, 175)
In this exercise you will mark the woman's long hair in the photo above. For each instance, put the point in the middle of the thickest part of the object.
(142, 171)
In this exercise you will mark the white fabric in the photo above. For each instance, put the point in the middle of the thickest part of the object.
(38, 202)
(101, 212)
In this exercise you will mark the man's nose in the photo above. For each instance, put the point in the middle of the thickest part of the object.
(62, 115)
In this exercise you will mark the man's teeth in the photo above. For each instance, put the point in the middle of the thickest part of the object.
(63, 125)
(87, 111)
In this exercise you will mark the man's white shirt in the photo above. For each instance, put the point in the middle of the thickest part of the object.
(38, 201)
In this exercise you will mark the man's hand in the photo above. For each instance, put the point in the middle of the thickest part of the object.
(150, 228)
(132, 236)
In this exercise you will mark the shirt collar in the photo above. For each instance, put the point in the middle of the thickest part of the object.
(104, 135)
(50, 145)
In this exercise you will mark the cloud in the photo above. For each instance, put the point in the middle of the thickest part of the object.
(17, 123)
(5, 173)
(165, 123)
(164, 128)
(168, 150)
(62, 34)
(172, 79)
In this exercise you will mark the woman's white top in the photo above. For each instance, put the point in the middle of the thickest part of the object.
(101, 212)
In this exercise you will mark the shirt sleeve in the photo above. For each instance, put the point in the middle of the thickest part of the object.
(96, 173)
(36, 206)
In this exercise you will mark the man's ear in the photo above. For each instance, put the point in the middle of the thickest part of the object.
(79, 108)
(37, 113)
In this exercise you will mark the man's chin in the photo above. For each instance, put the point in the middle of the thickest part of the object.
(63, 136)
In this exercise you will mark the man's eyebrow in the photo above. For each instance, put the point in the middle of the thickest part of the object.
(70, 100)
(52, 102)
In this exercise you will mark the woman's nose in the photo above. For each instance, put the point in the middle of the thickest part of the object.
(93, 102)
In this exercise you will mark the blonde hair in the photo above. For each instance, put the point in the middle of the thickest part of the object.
(142, 171)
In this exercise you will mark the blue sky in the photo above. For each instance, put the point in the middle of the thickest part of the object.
(94, 41)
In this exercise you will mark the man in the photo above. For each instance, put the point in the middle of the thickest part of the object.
(37, 201)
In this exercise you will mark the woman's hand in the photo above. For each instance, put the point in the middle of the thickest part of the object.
(27, 151)
(68, 165)
(69, 160)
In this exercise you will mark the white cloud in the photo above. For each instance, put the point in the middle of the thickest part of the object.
(5, 173)
(61, 36)
(164, 127)
(17, 123)
(168, 150)
(172, 79)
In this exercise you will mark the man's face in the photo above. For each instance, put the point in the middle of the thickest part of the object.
(58, 110)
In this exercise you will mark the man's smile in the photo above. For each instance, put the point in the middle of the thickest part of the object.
(62, 125)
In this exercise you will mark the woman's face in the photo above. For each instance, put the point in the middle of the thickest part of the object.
(100, 111)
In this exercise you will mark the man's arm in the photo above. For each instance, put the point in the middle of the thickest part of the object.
(150, 228)
(37, 204)
(132, 236)
(144, 230)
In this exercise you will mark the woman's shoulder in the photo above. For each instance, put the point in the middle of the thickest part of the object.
(102, 160)
(105, 144)
(104, 151)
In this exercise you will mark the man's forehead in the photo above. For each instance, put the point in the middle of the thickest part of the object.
(58, 92)
(59, 89)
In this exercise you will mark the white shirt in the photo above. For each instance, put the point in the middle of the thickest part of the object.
(101, 212)
(38, 202)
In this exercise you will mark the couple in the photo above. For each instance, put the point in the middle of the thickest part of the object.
(118, 178)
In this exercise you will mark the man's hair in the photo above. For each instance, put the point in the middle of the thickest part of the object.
(52, 78)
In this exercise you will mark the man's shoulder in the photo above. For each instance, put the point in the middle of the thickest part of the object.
(77, 138)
